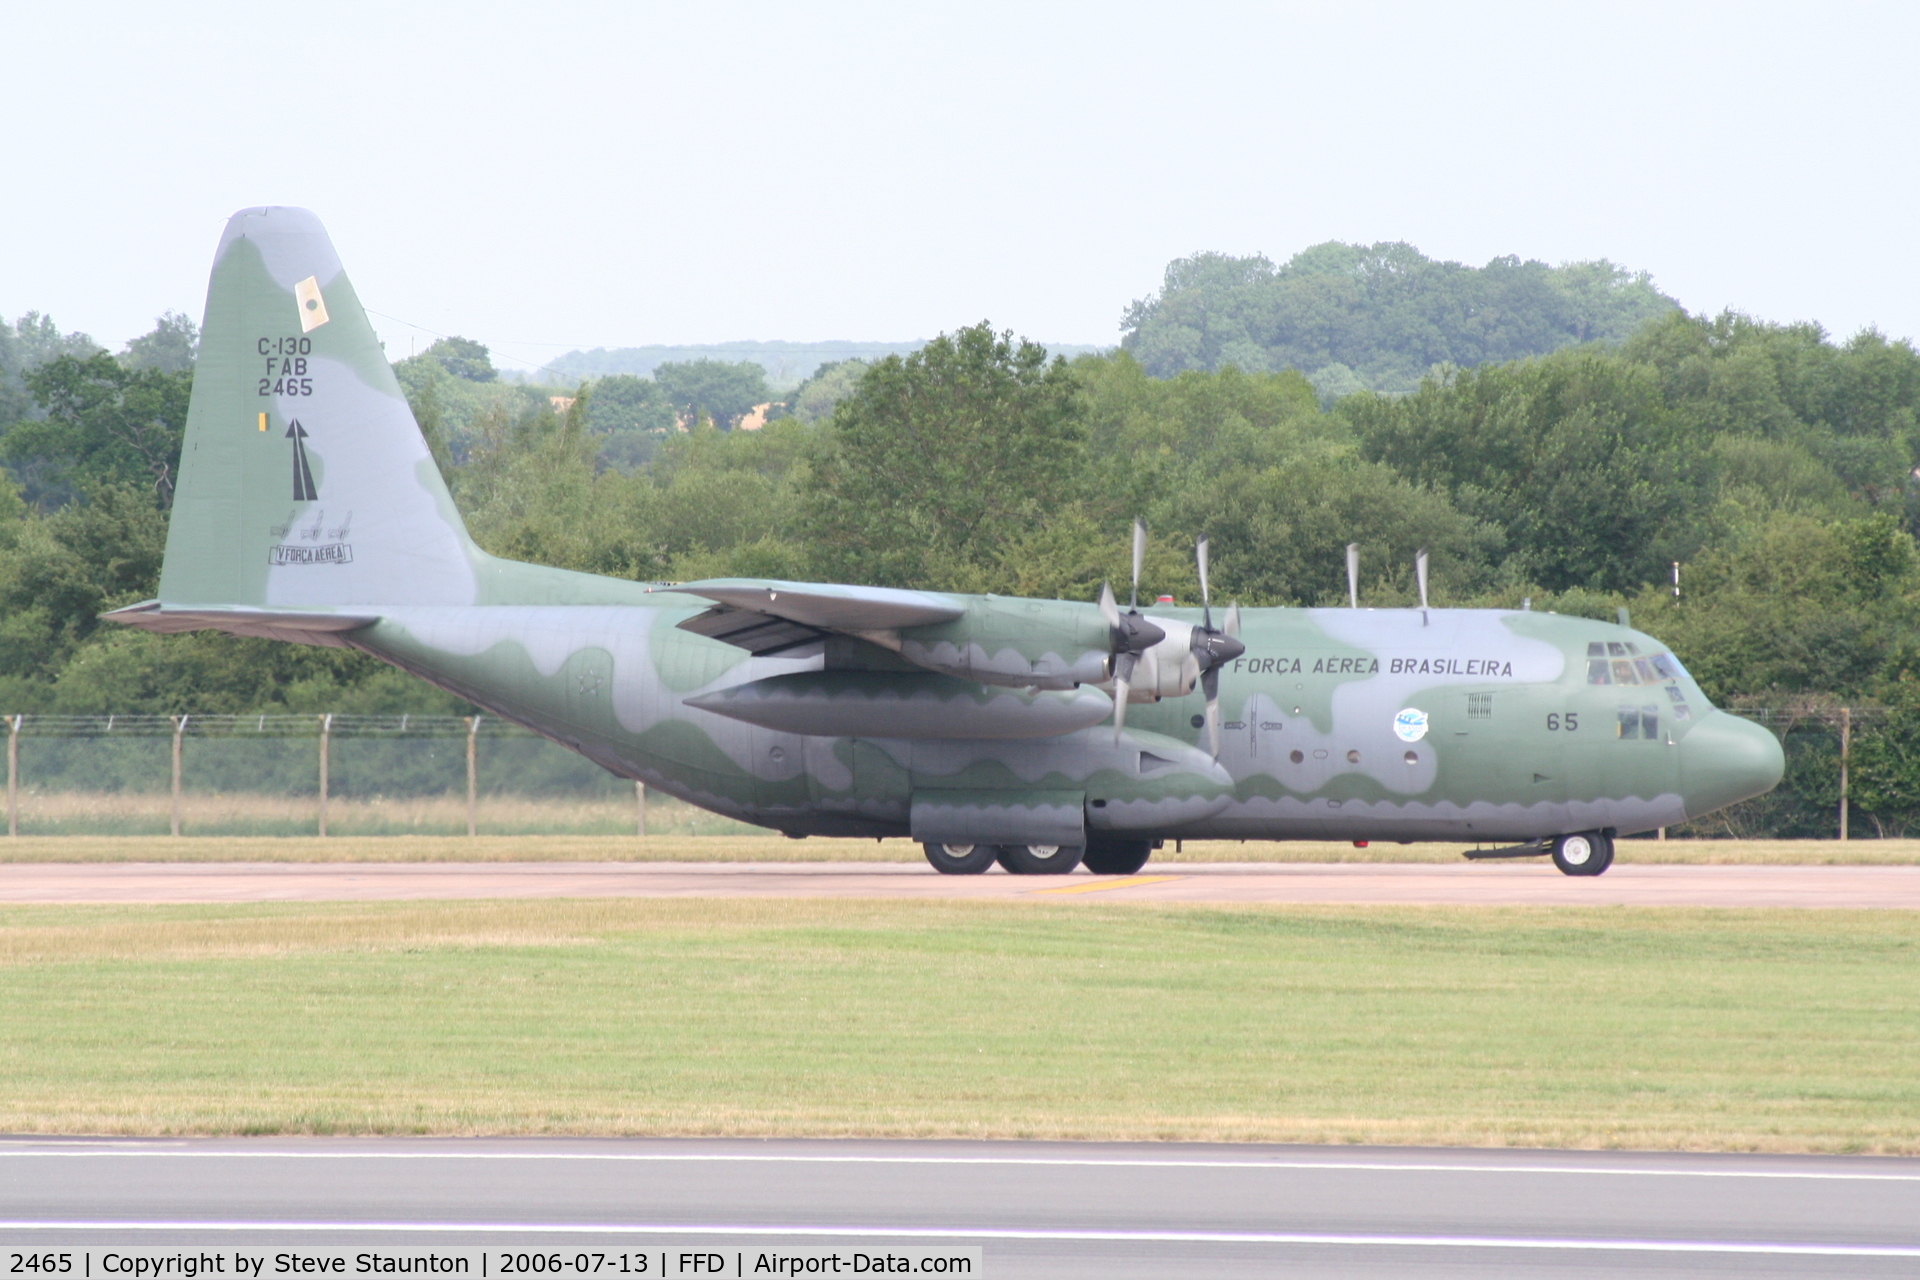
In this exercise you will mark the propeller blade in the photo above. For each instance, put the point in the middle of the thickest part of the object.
(1206, 599)
(1108, 609)
(1210, 685)
(1139, 560)
(1420, 572)
(1122, 684)
(1353, 575)
(1232, 624)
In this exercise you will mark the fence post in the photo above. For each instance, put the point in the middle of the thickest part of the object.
(1846, 752)
(13, 775)
(640, 807)
(326, 742)
(179, 727)
(473, 781)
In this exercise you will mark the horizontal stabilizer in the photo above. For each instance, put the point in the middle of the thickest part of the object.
(750, 610)
(266, 624)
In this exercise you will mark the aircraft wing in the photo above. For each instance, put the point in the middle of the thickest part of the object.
(762, 615)
(301, 627)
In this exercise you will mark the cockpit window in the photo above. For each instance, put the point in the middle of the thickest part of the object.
(1596, 650)
(1597, 672)
(1674, 694)
(1645, 669)
(1666, 666)
(1633, 648)
(1623, 672)
(1629, 722)
(1616, 649)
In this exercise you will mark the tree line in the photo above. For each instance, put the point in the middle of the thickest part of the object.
(1774, 464)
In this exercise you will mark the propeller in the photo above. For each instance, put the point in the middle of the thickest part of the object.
(1213, 649)
(1132, 634)
(1420, 572)
(1353, 575)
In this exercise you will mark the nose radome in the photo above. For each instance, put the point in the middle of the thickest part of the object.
(1724, 760)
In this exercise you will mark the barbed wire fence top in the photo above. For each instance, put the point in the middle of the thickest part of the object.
(265, 726)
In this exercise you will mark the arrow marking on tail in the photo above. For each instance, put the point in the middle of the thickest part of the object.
(303, 490)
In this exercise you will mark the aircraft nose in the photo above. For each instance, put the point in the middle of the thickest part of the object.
(1724, 759)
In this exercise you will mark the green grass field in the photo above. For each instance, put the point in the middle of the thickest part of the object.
(1791, 1030)
(766, 847)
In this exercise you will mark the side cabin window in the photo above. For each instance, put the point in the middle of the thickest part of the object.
(1640, 723)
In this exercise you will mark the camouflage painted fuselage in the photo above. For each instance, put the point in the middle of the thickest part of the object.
(1520, 740)
(310, 510)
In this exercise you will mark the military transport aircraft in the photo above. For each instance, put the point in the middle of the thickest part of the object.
(1039, 734)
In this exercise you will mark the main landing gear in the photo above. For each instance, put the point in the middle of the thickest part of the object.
(1103, 858)
(960, 859)
(1584, 853)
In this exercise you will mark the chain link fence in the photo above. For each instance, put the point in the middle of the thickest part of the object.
(318, 775)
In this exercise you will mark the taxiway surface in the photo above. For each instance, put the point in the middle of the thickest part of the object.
(1035, 1209)
(1896, 887)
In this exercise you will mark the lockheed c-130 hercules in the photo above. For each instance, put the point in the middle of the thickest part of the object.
(1039, 734)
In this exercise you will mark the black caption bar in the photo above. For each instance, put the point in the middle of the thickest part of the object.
(92, 1262)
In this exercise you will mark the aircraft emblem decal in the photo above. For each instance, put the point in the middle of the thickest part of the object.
(303, 490)
(313, 307)
(1410, 724)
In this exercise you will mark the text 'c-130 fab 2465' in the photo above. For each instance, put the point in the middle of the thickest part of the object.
(1037, 734)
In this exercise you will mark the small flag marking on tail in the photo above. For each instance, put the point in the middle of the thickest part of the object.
(313, 307)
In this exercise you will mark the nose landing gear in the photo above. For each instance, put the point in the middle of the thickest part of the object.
(1584, 853)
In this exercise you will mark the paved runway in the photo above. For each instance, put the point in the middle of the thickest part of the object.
(1040, 1209)
(1467, 884)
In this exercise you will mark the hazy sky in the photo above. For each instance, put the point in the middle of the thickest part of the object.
(546, 176)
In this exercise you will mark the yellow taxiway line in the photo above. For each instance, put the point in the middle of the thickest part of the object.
(1098, 885)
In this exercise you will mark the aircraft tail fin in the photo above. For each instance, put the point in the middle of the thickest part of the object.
(304, 479)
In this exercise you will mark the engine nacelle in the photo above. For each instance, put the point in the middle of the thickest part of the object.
(1021, 644)
(1168, 669)
(905, 704)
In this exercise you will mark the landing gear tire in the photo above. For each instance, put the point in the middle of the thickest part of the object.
(960, 859)
(1585, 853)
(1117, 857)
(1040, 859)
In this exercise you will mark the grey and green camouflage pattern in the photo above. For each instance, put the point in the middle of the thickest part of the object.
(310, 510)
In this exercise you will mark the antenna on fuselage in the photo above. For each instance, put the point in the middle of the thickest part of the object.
(1420, 572)
(1353, 575)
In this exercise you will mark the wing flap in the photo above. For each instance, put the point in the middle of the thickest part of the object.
(830, 606)
(764, 616)
(758, 633)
